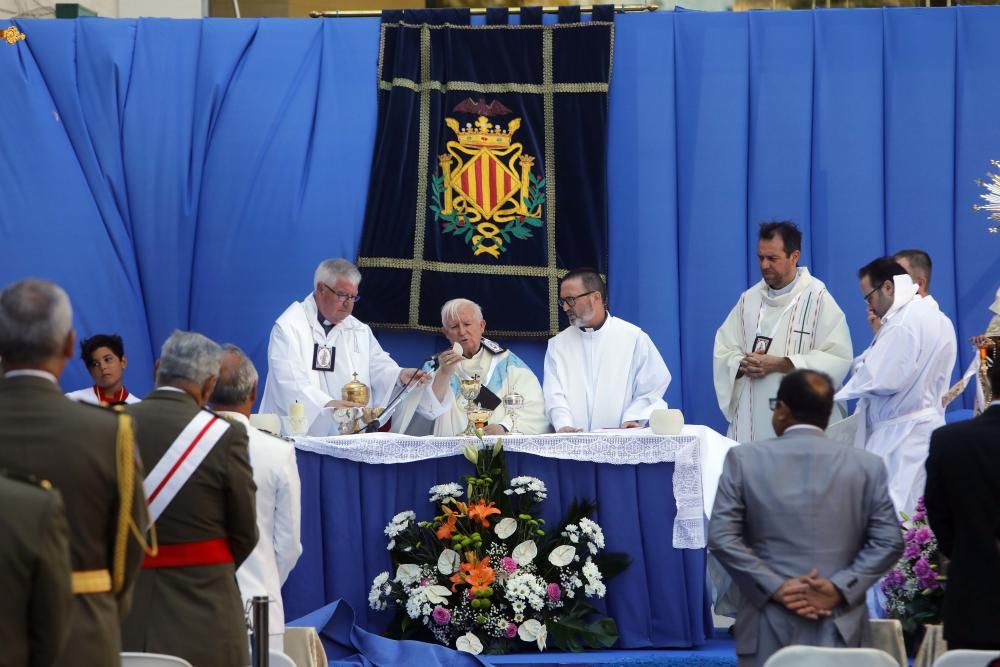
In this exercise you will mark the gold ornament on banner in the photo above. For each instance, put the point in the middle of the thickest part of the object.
(991, 196)
(12, 35)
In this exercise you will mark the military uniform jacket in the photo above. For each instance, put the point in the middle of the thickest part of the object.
(37, 595)
(195, 612)
(73, 446)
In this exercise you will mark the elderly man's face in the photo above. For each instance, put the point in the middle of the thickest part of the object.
(336, 301)
(465, 329)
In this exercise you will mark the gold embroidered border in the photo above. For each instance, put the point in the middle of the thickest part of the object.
(423, 149)
(508, 87)
(548, 106)
(505, 26)
(458, 267)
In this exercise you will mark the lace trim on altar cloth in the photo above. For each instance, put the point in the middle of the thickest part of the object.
(683, 451)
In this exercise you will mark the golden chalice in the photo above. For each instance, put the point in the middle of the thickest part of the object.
(469, 388)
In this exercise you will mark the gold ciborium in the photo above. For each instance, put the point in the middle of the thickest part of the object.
(356, 391)
(469, 388)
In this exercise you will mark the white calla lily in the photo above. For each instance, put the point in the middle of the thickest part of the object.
(562, 555)
(524, 552)
(448, 562)
(469, 643)
(533, 631)
(505, 528)
(408, 573)
(437, 594)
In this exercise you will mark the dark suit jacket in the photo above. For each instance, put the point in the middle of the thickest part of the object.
(963, 508)
(790, 504)
(36, 597)
(73, 446)
(195, 612)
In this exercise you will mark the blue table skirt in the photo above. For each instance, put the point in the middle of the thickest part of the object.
(658, 602)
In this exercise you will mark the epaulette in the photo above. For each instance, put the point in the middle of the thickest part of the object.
(26, 478)
(492, 345)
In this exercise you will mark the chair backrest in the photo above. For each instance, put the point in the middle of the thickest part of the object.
(279, 659)
(153, 660)
(817, 656)
(266, 421)
(966, 658)
(887, 635)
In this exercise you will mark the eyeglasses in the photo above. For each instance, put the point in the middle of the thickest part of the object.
(342, 296)
(772, 403)
(868, 296)
(571, 300)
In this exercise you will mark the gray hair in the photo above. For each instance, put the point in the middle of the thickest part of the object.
(35, 318)
(235, 386)
(449, 311)
(189, 356)
(329, 270)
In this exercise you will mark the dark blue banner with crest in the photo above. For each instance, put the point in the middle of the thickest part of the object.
(489, 171)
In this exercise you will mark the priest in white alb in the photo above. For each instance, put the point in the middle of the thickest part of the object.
(317, 346)
(787, 321)
(600, 371)
(500, 371)
(900, 379)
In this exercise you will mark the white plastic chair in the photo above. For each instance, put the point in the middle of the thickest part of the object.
(279, 659)
(887, 635)
(966, 658)
(816, 656)
(153, 660)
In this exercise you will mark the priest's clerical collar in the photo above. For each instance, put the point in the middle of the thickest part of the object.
(607, 316)
(786, 289)
(323, 322)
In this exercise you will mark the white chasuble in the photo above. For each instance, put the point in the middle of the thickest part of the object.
(602, 378)
(805, 325)
(290, 374)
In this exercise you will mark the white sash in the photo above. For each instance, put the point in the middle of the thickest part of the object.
(182, 458)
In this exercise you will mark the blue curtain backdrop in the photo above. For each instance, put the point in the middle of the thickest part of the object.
(191, 174)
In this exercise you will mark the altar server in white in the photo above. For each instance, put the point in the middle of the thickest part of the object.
(901, 378)
(501, 372)
(601, 371)
(787, 321)
(104, 356)
(278, 493)
(317, 347)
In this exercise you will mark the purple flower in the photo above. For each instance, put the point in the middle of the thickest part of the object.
(923, 535)
(925, 574)
(909, 535)
(911, 551)
(919, 516)
(508, 564)
(893, 581)
(554, 592)
(441, 615)
(920, 505)
(511, 631)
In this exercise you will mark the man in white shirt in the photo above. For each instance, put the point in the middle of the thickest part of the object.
(901, 378)
(501, 373)
(787, 321)
(104, 356)
(601, 371)
(317, 347)
(278, 492)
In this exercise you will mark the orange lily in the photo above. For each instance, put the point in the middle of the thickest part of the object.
(447, 529)
(479, 575)
(480, 511)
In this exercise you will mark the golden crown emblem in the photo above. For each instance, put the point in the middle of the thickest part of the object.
(12, 35)
(483, 134)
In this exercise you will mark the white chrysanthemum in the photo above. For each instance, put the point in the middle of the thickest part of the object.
(399, 523)
(524, 484)
(379, 589)
(593, 531)
(441, 492)
(595, 584)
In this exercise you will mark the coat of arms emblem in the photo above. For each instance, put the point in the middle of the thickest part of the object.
(486, 192)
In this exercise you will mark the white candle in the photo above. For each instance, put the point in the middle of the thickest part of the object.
(296, 409)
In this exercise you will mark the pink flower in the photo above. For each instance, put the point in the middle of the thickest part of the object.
(923, 535)
(508, 564)
(511, 631)
(425, 581)
(911, 551)
(554, 592)
(441, 615)
(919, 516)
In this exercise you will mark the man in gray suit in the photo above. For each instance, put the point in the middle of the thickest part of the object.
(804, 526)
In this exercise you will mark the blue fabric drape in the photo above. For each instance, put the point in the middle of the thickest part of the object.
(191, 174)
(659, 601)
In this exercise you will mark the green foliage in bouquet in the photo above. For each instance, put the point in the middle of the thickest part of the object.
(487, 574)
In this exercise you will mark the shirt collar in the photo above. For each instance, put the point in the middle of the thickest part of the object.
(787, 288)
(803, 427)
(169, 388)
(607, 316)
(32, 372)
(235, 416)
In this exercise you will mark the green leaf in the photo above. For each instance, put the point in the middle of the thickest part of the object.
(534, 222)
(468, 235)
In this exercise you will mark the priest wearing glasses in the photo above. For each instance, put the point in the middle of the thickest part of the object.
(601, 371)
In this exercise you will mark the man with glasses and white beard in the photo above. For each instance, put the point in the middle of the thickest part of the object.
(317, 346)
(601, 371)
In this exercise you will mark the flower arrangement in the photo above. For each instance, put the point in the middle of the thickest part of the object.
(487, 575)
(913, 589)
